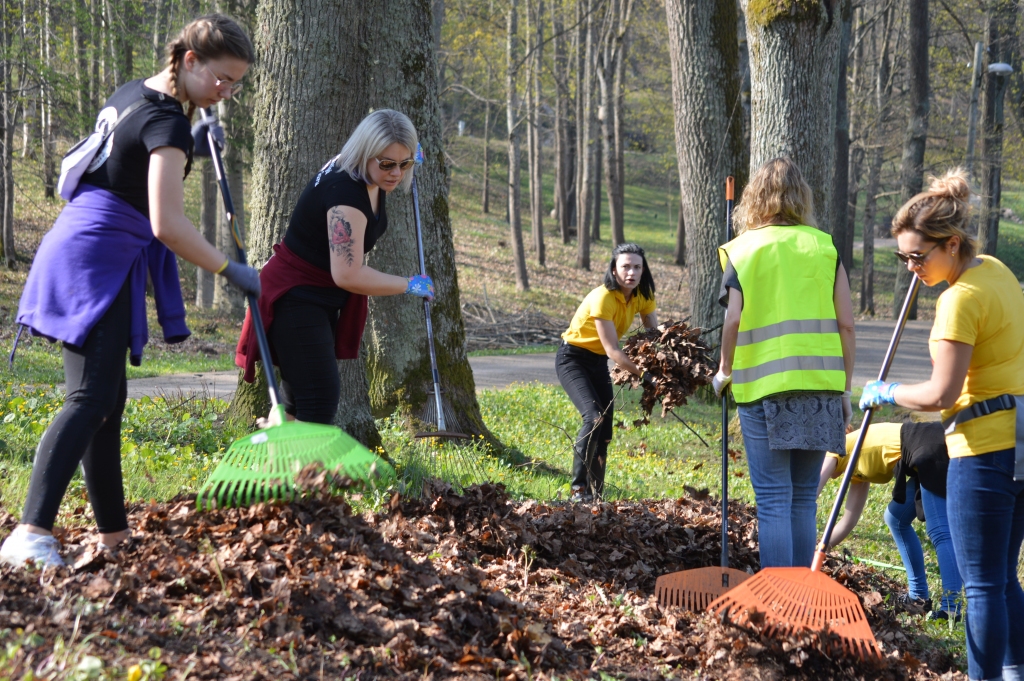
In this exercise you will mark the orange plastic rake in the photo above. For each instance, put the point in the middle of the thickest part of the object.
(695, 589)
(796, 600)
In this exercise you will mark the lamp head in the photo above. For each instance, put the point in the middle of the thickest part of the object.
(1000, 69)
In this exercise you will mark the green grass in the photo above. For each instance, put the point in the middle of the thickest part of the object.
(526, 350)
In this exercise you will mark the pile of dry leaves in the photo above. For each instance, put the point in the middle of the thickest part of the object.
(677, 358)
(471, 585)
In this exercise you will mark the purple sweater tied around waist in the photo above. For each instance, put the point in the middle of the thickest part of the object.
(97, 242)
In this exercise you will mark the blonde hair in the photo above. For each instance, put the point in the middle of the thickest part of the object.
(777, 194)
(942, 212)
(372, 136)
(209, 37)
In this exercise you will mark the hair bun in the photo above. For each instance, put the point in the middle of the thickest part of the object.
(953, 184)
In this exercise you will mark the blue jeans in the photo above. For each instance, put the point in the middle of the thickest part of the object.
(786, 488)
(899, 518)
(986, 520)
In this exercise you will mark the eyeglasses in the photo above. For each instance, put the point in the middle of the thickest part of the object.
(218, 82)
(918, 258)
(387, 165)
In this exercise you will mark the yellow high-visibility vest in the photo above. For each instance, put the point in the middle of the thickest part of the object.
(789, 337)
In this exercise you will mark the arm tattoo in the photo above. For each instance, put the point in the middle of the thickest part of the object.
(341, 235)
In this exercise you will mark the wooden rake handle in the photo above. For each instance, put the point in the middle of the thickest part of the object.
(819, 553)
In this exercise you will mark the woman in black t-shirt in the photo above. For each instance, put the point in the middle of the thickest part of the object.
(315, 286)
(88, 279)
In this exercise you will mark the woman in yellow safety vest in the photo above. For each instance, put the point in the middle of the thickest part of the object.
(977, 349)
(787, 351)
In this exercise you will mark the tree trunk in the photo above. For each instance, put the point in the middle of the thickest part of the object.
(537, 196)
(841, 192)
(360, 67)
(705, 87)
(112, 41)
(158, 40)
(81, 68)
(595, 234)
(8, 105)
(867, 282)
(46, 109)
(227, 297)
(1001, 24)
(563, 170)
(515, 220)
(584, 135)
(856, 137)
(611, 73)
(912, 164)
(486, 198)
(209, 217)
(679, 255)
(95, 56)
(794, 59)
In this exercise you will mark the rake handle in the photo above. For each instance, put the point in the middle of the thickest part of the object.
(730, 197)
(236, 233)
(441, 425)
(851, 465)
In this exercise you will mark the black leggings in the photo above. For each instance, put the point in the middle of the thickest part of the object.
(88, 427)
(303, 337)
(584, 375)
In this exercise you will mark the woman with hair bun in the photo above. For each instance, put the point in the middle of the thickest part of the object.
(977, 349)
(87, 285)
(315, 285)
(582, 360)
(788, 351)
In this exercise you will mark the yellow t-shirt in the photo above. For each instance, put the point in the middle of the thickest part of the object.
(604, 304)
(985, 309)
(878, 456)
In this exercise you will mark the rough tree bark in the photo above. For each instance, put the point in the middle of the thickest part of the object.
(705, 87)
(299, 123)
(515, 202)
(1001, 34)
(912, 164)
(794, 59)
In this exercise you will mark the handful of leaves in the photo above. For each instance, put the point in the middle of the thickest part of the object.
(678, 359)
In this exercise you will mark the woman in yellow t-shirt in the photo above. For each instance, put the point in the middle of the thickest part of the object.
(977, 347)
(915, 454)
(582, 361)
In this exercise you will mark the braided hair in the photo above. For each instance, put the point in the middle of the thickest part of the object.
(209, 37)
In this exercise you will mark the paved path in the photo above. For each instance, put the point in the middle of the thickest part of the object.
(912, 364)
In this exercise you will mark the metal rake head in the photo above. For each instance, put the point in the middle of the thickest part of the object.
(452, 428)
(262, 466)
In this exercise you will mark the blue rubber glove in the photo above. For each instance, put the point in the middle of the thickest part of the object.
(421, 285)
(877, 393)
(202, 143)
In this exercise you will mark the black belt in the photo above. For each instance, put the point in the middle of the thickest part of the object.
(989, 406)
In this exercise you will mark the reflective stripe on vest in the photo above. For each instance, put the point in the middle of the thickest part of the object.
(788, 337)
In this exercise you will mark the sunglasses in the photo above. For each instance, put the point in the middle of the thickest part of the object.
(918, 258)
(387, 165)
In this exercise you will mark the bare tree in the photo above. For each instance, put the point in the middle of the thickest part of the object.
(209, 216)
(1001, 33)
(610, 70)
(705, 92)
(916, 137)
(857, 127)
(563, 155)
(515, 220)
(533, 96)
(843, 237)
(47, 102)
(584, 130)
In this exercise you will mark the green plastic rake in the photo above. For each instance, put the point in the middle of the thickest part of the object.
(263, 466)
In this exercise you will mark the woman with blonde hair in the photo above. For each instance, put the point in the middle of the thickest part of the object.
(977, 349)
(788, 351)
(315, 286)
(87, 285)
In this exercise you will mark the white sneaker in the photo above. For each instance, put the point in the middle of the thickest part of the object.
(22, 546)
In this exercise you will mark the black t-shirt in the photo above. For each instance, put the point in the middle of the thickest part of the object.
(307, 234)
(122, 165)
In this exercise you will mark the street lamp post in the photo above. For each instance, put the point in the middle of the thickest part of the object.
(972, 118)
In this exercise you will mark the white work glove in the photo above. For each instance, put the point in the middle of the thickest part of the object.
(720, 381)
(847, 409)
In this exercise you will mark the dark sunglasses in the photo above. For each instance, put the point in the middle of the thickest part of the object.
(387, 165)
(918, 258)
